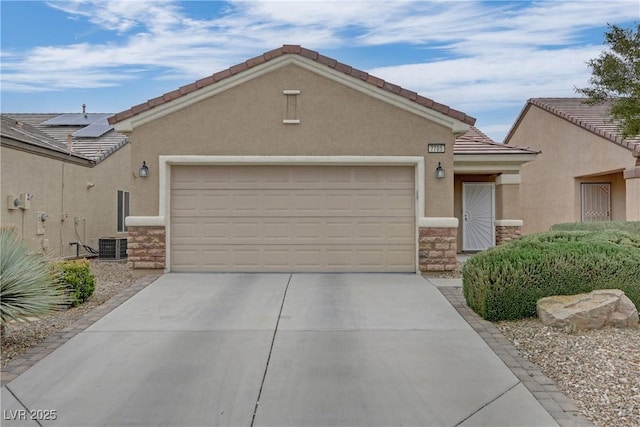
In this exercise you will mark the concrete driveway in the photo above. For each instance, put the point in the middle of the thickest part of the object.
(276, 350)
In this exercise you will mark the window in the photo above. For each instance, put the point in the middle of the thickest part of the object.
(596, 201)
(123, 210)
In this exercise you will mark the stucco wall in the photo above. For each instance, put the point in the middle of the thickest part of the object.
(335, 120)
(61, 188)
(508, 201)
(550, 192)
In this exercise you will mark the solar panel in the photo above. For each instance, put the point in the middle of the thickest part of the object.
(76, 119)
(94, 130)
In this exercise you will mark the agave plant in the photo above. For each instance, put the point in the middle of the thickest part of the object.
(27, 286)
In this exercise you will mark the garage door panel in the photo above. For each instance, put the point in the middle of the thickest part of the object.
(223, 230)
(275, 258)
(395, 257)
(292, 218)
(289, 177)
(245, 202)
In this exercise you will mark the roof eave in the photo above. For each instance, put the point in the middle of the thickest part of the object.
(46, 152)
(490, 163)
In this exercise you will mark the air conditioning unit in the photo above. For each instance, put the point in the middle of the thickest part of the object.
(113, 248)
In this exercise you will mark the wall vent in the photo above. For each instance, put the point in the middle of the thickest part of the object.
(112, 248)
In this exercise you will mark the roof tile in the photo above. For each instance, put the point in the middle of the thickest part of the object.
(476, 142)
(257, 60)
(441, 108)
(209, 80)
(457, 115)
(307, 53)
(238, 68)
(121, 116)
(359, 74)
(343, 68)
(140, 108)
(409, 94)
(155, 101)
(273, 54)
(325, 60)
(392, 88)
(376, 81)
(291, 48)
(221, 75)
(188, 88)
(425, 101)
(170, 96)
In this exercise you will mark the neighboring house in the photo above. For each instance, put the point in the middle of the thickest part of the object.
(65, 178)
(586, 171)
(292, 161)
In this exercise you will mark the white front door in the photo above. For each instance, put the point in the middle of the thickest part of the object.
(596, 202)
(478, 215)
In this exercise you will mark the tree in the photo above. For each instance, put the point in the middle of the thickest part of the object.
(616, 78)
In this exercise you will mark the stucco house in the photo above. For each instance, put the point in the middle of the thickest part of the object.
(293, 161)
(586, 171)
(64, 179)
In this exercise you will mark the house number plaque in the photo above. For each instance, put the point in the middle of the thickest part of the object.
(436, 148)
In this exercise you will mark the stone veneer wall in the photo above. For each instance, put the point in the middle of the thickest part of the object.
(146, 247)
(437, 249)
(507, 233)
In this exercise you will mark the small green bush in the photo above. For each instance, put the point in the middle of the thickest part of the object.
(505, 282)
(77, 277)
(630, 226)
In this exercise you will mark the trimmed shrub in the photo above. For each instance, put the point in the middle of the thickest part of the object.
(77, 277)
(27, 288)
(505, 282)
(630, 226)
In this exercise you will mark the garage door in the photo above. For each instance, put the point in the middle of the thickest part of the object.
(292, 218)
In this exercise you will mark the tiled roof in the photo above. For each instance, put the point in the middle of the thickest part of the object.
(476, 142)
(593, 118)
(19, 131)
(306, 53)
(95, 149)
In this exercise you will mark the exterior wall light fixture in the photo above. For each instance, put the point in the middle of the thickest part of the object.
(439, 171)
(144, 170)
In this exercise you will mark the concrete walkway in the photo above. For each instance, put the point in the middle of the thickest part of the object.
(278, 350)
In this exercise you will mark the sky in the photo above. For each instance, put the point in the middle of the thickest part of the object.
(485, 58)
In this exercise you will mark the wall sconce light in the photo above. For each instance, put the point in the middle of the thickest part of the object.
(144, 170)
(439, 171)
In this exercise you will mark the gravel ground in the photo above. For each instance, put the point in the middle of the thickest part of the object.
(111, 278)
(599, 370)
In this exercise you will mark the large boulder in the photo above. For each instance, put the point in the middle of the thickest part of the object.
(593, 310)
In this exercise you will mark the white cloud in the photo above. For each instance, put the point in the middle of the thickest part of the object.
(122, 15)
(497, 80)
(492, 54)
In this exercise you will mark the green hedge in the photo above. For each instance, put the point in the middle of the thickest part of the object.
(77, 277)
(505, 282)
(630, 226)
